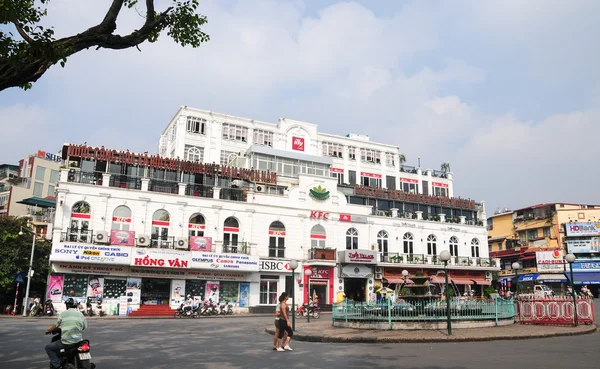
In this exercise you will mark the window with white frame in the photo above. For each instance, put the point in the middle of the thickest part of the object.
(317, 236)
(351, 152)
(196, 125)
(453, 246)
(339, 176)
(474, 248)
(408, 243)
(333, 149)
(440, 191)
(351, 239)
(195, 154)
(173, 132)
(382, 242)
(370, 156)
(370, 181)
(262, 137)
(226, 157)
(390, 159)
(276, 240)
(431, 245)
(233, 132)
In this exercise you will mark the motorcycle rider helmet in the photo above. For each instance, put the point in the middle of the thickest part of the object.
(70, 303)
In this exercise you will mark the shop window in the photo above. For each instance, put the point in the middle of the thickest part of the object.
(197, 225)
(114, 288)
(230, 292)
(268, 290)
(195, 289)
(121, 218)
(161, 219)
(351, 239)
(431, 245)
(408, 243)
(453, 246)
(475, 248)
(80, 223)
(75, 285)
(382, 243)
(231, 230)
(317, 236)
(277, 240)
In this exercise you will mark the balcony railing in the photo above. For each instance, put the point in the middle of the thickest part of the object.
(77, 235)
(199, 190)
(122, 181)
(235, 194)
(92, 178)
(163, 186)
(162, 242)
(322, 254)
(239, 248)
(421, 259)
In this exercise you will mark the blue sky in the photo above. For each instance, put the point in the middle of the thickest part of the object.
(508, 91)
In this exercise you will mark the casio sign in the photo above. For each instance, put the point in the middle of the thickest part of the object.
(276, 266)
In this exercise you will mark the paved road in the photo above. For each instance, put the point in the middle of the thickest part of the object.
(241, 343)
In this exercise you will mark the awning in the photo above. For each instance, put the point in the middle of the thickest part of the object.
(316, 282)
(398, 280)
(587, 278)
(462, 281)
(551, 278)
(528, 277)
(529, 257)
(482, 282)
(39, 202)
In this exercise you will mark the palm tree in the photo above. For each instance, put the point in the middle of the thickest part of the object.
(401, 160)
(445, 167)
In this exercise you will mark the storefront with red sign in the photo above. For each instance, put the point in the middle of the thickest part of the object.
(357, 272)
(321, 283)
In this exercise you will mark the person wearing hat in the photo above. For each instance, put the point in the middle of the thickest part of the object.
(72, 323)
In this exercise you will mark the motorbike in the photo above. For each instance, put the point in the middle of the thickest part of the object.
(305, 309)
(88, 309)
(49, 308)
(99, 308)
(75, 356)
(226, 309)
(36, 310)
(187, 313)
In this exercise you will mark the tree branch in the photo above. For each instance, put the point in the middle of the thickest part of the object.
(149, 10)
(109, 23)
(22, 32)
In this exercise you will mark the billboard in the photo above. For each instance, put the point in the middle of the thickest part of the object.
(550, 261)
(584, 246)
(582, 229)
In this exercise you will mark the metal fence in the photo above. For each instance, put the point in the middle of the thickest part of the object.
(424, 310)
(554, 310)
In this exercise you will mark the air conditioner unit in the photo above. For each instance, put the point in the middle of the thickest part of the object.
(181, 243)
(143, 240)
(488, 276)
(101, 237)
(381, 213)
(260, 188)
(378, 276)
(378, 270)
(238, 183)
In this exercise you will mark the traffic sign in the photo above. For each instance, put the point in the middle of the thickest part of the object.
(20, 278)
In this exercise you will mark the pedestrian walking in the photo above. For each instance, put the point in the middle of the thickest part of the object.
(276, 336)
(283, 344)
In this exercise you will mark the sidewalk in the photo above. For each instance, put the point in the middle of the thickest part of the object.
(321, 330)
(246, 315)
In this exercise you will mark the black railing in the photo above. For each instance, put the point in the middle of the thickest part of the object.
(77, 176)
(239, 248)
(162, 242)
(123, 181)
(322, 254)
(416, 259)
(199, 190)
(163, 186)
(235, 194)
(77, 235)
(461, 261)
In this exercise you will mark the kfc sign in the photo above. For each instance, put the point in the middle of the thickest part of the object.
(359, 256)
(297, 143)
(319, 214)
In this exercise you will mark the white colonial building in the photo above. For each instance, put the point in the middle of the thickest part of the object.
(229, 202)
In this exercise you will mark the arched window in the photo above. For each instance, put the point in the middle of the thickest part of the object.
(121, 218)
(474, 248)
(408, 243)
(161, 219)
(351, 239)
(196, 225)
(317, 236)
(382, 243)
(194, 154)
(80, 223)
(231, 230)
(431, 245)
(277, 240)
(453, 246)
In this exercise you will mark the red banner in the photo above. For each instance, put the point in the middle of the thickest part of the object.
(297, 143)
(370, 175)
(336, 170)
(121, 220)
(122, 238)
(438, 184)
(409, 180)
(196, 226)
(198, 243)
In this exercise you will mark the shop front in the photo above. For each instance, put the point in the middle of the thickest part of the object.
(586, 272)
(320, 282)
(356, 272)
(275, 278)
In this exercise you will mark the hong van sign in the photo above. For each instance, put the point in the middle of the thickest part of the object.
(582, 229)
(239, 262)
(96, 254)
(358, 257)
(161, 258)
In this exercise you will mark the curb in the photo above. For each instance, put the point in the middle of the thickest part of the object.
(114, 317)
(333, 339)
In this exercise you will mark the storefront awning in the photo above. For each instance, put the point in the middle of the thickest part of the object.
(462, 281)
(528, 277)
(39, 202)
(587, 278)
(482, 282)
(551, 278)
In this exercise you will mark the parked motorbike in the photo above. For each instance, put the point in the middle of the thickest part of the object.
(88, 309)
(182, 312)
(303, 310)
(36, 310)
(75, 356)
(49, 308)
(228, 309)
(99, 308)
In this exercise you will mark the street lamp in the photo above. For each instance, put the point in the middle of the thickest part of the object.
(30, 271)
(308, 273)
(293, 266)
(570, 258)
(445, 256)
(516, 266)
(404, 275)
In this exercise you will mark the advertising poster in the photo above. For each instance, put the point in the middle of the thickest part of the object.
(95, 286)
(550, 261)
(244, 294)
(94, 254)
(198, 243)
(212, 291)
(584, 245)
(55, 288)
(177, 291)
(123, 306)
(582, 229)
(134, 290)
(224, 262)
(122, 238)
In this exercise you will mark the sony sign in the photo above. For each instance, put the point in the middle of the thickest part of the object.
(274, 266)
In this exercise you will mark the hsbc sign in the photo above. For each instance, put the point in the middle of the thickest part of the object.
(274, 266)
(297, 143)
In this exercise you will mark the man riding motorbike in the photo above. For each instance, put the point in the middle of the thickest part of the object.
(72, 323)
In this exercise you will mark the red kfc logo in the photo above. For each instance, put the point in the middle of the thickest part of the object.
(298, 143)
